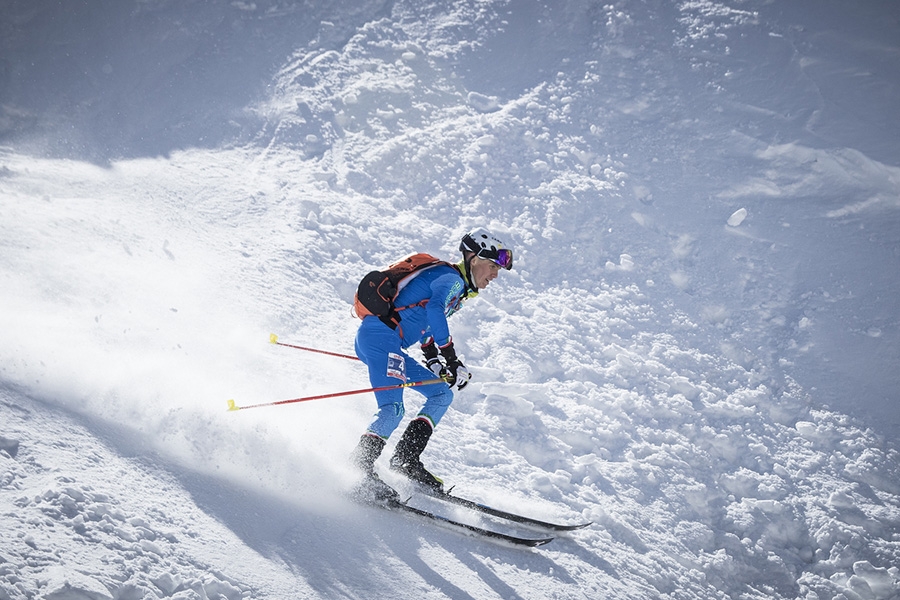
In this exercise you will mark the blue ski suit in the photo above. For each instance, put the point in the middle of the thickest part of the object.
(381, 348)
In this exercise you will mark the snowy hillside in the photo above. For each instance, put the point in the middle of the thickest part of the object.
(696, 349)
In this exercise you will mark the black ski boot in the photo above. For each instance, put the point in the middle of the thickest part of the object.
(406, 456)
(371, 489)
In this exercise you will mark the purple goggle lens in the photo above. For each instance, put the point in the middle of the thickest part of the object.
(502, 257)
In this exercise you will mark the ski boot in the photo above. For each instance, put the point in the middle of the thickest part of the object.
(406, 456)
(371, 490)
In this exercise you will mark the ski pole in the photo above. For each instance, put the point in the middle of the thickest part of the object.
(232, 406)
(274, 339)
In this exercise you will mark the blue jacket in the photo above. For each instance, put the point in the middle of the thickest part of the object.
(445, 290)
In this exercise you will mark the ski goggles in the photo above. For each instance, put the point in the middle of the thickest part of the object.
(502, 257)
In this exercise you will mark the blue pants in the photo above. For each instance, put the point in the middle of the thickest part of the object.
(378, 346)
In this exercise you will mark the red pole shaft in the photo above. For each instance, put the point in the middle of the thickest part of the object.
(274, 339)
(232, 406)
(317, 350)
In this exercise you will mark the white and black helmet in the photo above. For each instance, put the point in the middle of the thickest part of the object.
(484, 245)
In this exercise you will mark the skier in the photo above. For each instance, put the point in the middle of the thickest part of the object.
(431, 296)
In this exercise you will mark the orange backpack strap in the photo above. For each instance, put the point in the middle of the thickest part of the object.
(377, 291)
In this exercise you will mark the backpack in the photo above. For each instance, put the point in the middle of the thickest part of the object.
(378, 289)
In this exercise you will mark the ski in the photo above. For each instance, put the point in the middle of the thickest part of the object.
(502, 514)
(399, 505)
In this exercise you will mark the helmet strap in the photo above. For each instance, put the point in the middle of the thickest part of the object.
(465, 269)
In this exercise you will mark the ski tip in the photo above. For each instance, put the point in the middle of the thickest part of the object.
(273, 339)
(575, 527)
(232, 406)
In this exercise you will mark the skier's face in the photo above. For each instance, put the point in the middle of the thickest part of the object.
(484, 271)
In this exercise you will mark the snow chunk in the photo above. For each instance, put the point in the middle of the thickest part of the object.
(10, 446)
(65, 584)
(737, 217)
(681, 280)
(540, 166)
(626, 263)
(641, 219)
(684, 247)
(824, 433)
(217, 588)
(841, 499)
(151, 547)
(878, 579)
(483, 103)
(168, 583)
(715, 313)
(682, 385)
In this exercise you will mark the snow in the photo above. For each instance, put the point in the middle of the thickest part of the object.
(696, 350)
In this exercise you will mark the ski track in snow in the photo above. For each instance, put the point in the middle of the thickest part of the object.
(679, 355)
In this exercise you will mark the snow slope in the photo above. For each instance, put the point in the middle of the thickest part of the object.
(696, 349)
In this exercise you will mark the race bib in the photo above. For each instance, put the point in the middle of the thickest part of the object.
(396, 367)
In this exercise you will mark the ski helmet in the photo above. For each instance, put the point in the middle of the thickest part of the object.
(484, 245)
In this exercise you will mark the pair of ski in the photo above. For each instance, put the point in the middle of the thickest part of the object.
(404, 506)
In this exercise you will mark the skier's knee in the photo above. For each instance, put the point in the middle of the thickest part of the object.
(387, 419)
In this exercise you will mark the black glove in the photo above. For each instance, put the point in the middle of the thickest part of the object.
(432, 363)
(456, 373)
